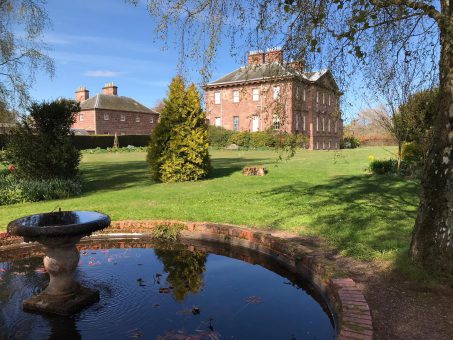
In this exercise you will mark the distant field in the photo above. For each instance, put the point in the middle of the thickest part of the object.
(323, 193)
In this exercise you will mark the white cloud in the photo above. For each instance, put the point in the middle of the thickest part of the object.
(101, 73)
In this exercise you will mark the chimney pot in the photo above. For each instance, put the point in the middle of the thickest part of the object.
(82, 94)
(110, 89)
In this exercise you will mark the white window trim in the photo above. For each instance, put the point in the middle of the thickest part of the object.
(323, 98)
(106, 116)
(323, 125)
(303, 122)
(237, 121)
(123, 117)
(151, 120)
(328, 125)
(317, 96)
(329, 99)
(317, 145)
(235, 96)
(137, 119)
(304, 97)
(81, 117)
(317, 123)
(297, 122)
(217, 119)
(217, 98)
(277, 93)
(255, 94)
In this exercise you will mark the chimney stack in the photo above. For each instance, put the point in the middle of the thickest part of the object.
(110, 89)
(256, 58)
(274, 55)
(82, 94)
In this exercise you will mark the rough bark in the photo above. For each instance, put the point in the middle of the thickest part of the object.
(432, 241)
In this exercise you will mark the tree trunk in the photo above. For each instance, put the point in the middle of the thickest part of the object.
(432, 240)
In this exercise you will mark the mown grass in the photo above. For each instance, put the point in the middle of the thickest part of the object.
(322, 193)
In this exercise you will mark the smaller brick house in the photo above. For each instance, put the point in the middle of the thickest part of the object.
(108, 114)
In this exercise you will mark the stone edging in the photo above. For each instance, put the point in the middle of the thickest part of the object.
(345, 298)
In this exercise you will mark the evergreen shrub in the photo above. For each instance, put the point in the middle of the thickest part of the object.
(178, 148)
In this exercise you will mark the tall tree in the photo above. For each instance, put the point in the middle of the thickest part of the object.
(347, 34)
(178, 149)
(21, 55)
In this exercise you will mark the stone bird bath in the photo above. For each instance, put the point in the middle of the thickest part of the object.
(59, 232)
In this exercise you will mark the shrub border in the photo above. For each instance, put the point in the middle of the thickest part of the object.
(352, 313)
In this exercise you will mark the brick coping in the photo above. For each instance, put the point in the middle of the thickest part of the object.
(344, 297)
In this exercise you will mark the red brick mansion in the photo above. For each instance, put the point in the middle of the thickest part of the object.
(108, 114)
(272, 93)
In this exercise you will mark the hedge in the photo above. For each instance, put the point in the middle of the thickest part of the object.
(83, 142)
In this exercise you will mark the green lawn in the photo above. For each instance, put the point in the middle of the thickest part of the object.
(317, 192)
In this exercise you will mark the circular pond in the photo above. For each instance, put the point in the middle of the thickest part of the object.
(168, 291)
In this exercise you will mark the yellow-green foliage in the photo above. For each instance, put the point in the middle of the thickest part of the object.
(178, 150)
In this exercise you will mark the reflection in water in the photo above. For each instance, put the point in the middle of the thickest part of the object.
(185, 269)
(212, 297)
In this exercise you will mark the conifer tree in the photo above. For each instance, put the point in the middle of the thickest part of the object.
(178, 148)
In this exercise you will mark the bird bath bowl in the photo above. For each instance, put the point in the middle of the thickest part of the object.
(59, 232)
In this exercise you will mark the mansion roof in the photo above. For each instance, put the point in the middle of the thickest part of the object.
(266, 71)
(117, 103)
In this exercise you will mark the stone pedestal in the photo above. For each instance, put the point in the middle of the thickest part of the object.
(63, 295)
(59, 232)
(61, 304)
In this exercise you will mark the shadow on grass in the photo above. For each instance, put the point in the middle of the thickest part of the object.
(363, 216)
(223, 167)
(115, 176)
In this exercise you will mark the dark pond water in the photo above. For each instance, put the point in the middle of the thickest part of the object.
(172, 292)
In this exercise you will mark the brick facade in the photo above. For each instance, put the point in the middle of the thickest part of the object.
(305, 105)
(122, 116)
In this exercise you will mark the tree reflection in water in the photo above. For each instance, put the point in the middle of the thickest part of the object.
(185, 269)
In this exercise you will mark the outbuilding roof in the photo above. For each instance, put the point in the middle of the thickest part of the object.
(113, 102)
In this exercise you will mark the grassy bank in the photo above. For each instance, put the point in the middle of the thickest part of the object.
(317, 192)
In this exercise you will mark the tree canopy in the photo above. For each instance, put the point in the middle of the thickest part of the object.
(21, 54)
(344, 35)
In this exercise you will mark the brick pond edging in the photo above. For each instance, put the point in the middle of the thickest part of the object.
(343, 296)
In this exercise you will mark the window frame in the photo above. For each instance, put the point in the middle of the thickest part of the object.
(255, 94)
(217, 98)
(235, 123)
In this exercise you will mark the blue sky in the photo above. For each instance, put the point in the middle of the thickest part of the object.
(97, 41)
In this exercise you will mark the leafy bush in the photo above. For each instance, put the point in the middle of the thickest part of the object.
(241, 138)
(178, 149)
(129, 148)
(349, 143)
(218, 136)
(412, 152)
(382, 167)
(262, 139)
(40, 146)
(15, 190)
